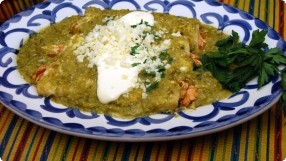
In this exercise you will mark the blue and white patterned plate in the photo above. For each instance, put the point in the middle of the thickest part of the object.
(22, 98)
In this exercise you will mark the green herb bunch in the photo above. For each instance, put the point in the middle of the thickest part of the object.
(235, 63)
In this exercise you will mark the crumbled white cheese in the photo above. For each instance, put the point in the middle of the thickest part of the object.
(176, 34)
(183, 69)
(123, 48)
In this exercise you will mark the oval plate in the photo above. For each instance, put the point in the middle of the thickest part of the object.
(22, 98)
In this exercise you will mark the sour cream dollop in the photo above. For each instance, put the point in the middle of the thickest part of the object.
(136, 17)
(114, 79)
(109, 48)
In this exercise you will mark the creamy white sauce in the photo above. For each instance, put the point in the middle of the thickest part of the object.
(114, 78)
(136, 17)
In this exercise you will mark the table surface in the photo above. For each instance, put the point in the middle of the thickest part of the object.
(262, 138)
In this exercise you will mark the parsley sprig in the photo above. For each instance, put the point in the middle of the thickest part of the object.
(235, 63)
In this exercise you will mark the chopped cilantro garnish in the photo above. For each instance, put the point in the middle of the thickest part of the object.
(151, 87)
(156, 37)
(163, 75)
(170, 60)
(161, 68)
(147, 23)
(163, 55)
(153, 58)
(134, 26)
(141, 22)
(133, 49)
(145, 33)
(135, 64)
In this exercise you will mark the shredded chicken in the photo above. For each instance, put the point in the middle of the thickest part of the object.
(54, 50)
(74, 28)
(188, 93)
(201, 42)
(41, 70)
(39, 73)
(196, 59)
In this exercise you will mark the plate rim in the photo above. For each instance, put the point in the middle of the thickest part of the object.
(138, 139)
